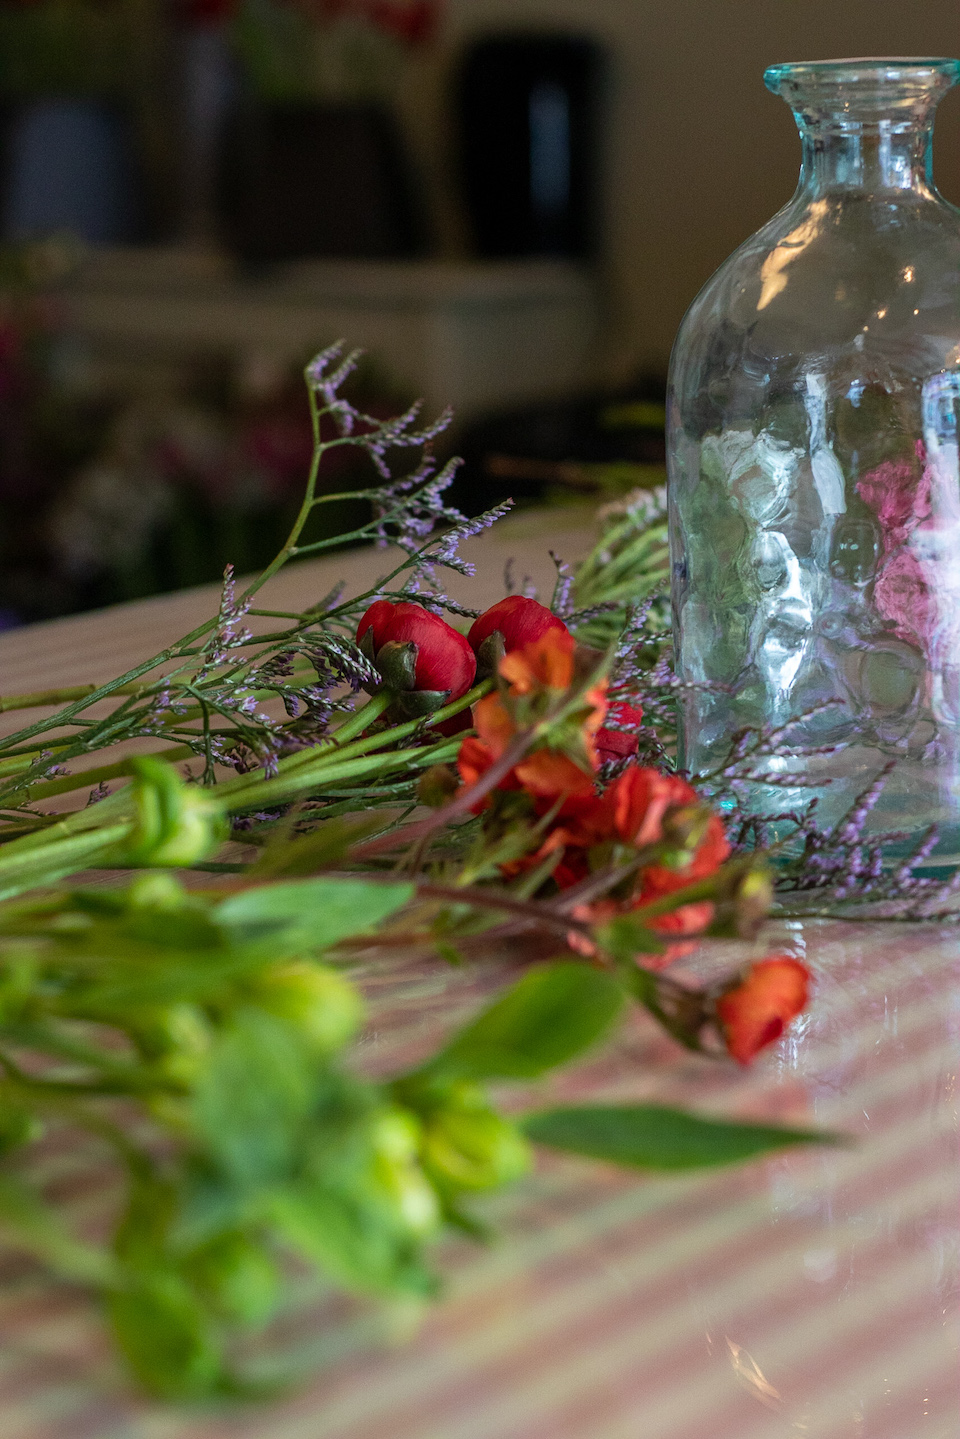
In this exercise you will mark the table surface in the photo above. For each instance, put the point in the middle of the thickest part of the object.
(808, 1294)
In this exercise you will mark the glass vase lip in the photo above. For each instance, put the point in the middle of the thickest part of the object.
(919, 74)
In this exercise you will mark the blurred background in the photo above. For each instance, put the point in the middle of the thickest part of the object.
(508, 203)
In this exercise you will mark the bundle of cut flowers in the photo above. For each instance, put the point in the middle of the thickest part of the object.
(373, 778)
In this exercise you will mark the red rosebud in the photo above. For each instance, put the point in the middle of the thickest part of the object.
(617, 743)
(755, 1012)
(416, 653)
(509, 625)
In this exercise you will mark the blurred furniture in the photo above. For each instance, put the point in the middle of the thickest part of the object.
(305, 179)
(71, 168)
(600, 443)
(472, 335)
(528, 118)
(810, 1293)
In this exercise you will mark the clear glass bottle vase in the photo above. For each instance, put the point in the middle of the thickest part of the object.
(814, 479)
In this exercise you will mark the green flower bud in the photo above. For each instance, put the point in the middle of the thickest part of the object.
(156, 891)
(324, 1008)
(437, 786)
(395, 1137)
(239, 1275)
(176, 824)
(17, 1127)
(179, 1039)
(742, 905)
(685, 826)
(466, 1144)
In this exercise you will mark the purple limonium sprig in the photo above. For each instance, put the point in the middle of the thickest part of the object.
(563, 589)
(229, 634)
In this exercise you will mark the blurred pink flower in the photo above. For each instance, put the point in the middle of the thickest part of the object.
(898, 491)
(902, 597)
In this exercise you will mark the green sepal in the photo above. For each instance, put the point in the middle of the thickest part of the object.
(397, 662)
(417, 704)
(489, 655)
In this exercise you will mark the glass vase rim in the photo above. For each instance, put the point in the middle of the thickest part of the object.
(895, 68)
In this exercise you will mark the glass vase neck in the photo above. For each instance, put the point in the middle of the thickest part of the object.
(865, 124)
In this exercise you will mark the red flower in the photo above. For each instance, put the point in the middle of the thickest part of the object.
(545, 774)
(616, 743)
(640, 798)
(755, 1012)
(539, 669)
(509, 625)
(708, 856)
(416, 653)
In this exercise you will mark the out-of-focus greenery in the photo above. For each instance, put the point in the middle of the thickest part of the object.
(198, 1042)
(67, 47)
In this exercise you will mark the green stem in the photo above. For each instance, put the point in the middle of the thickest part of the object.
(312, 780)
(30, 868)
(88, 777)
(361, 719)
(335, 752)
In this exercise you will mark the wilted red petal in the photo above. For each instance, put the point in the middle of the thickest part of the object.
(688, 919)
(640, 797)
(473, 760)
(755, 1012)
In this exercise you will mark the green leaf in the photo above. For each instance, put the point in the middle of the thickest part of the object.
(351, 1237)
(625, 938)
(252, 1098)
(308, 915)
(651, 1136)
(128, 974)
(324, 846)
(165, 1335)
(553, 1014)
(27, 1222)
(238, 1277)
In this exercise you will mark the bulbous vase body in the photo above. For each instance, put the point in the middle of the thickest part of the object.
(814, 478)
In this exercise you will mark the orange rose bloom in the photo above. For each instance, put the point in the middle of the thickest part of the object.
(755, 1012)
(548, 775)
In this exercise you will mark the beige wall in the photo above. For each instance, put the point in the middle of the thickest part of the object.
(698, 153)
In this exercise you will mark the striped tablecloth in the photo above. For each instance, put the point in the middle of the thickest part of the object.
(809, 1294)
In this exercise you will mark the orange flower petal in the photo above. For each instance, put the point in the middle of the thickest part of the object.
(548, 774)
(708, 856)
(493, 724)
(545, 662)
(755, 1012)
(473, 760)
